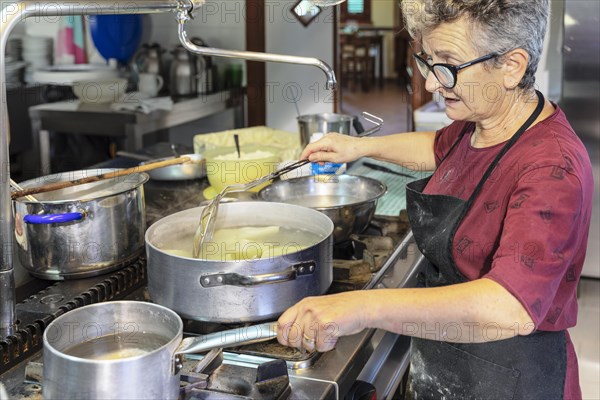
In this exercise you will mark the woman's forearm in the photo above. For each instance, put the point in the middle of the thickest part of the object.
(473, 312)
(413, 150)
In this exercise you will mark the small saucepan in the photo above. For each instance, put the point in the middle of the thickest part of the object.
(126, 350)
(348, 200)
(339, 123)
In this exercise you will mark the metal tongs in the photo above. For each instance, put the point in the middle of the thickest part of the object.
(208, 217)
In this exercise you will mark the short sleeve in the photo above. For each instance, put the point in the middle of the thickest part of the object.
(540, 239)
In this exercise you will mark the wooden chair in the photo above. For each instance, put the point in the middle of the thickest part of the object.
(357, 61)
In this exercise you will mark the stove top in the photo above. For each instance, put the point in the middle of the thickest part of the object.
(202, 377)
(377, 258)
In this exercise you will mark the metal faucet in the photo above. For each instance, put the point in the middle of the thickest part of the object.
(15, 12)
(183, 17)
(10, 16)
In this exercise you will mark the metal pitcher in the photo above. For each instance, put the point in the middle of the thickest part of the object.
(183, 73)
(149, 59)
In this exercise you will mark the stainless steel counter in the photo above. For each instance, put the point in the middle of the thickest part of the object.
(73, 117)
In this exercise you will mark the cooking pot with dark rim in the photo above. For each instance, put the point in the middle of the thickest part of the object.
(247, 289)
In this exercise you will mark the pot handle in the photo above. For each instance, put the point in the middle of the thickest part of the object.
(228, 338)
(358, 126)
(372, 119)
(233, 279)
(53, 218)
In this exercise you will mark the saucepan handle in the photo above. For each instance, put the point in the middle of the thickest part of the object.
(234, 279)
(372, 119)
(229, 338)
(53, 218)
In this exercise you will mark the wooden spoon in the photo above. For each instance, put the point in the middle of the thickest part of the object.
(115, 174)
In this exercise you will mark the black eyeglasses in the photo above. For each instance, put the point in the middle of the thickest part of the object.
(446, 74)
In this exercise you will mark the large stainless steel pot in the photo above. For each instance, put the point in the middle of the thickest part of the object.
(126, 350)
(245, 290)
(349, 200)
(82, 230)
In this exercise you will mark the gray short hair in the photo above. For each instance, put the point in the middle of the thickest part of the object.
(501, 25)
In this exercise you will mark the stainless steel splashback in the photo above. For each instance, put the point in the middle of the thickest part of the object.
(581, 66)
(580, 99)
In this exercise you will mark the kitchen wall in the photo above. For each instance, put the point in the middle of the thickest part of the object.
(382, 15)
(218, 23)
(382, 12)
(285, 35)
(222, 24)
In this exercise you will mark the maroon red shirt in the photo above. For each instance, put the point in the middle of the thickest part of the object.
(528, 228)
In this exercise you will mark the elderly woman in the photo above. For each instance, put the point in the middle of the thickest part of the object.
(503, 220)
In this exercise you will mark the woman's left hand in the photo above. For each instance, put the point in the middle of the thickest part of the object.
(316, 323)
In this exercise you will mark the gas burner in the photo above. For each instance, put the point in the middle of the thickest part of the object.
(343, 250)
(356, 260)
(295, 358)
(211, 378)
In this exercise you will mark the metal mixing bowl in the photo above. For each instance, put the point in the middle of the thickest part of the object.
(348, 200)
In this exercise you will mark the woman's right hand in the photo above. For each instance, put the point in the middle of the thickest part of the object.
(336, 148)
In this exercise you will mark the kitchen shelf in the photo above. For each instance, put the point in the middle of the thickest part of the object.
(127, 126)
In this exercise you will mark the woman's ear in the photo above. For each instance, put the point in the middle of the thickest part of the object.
(515, 65)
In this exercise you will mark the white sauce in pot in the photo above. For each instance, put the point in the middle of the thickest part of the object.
(245, 243)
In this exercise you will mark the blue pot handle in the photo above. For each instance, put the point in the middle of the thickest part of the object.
(53, 218)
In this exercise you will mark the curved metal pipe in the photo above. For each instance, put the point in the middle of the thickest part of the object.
(10, 16)
(254, 56)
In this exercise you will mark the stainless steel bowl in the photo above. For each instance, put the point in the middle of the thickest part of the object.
(348, 200)
(180, 172)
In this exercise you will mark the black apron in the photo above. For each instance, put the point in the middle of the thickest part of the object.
(522, 367)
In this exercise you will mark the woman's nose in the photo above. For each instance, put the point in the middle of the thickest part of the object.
(431, 83)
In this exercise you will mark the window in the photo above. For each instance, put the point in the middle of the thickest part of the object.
(356, 10)
(356, 6)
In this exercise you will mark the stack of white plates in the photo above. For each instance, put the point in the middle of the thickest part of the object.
(14, 48)
(67, 75)
(14, 73)
(37, 53)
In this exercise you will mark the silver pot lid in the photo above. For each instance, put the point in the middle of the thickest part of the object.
(85, 192)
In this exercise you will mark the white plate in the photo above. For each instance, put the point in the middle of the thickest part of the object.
(68, 74)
